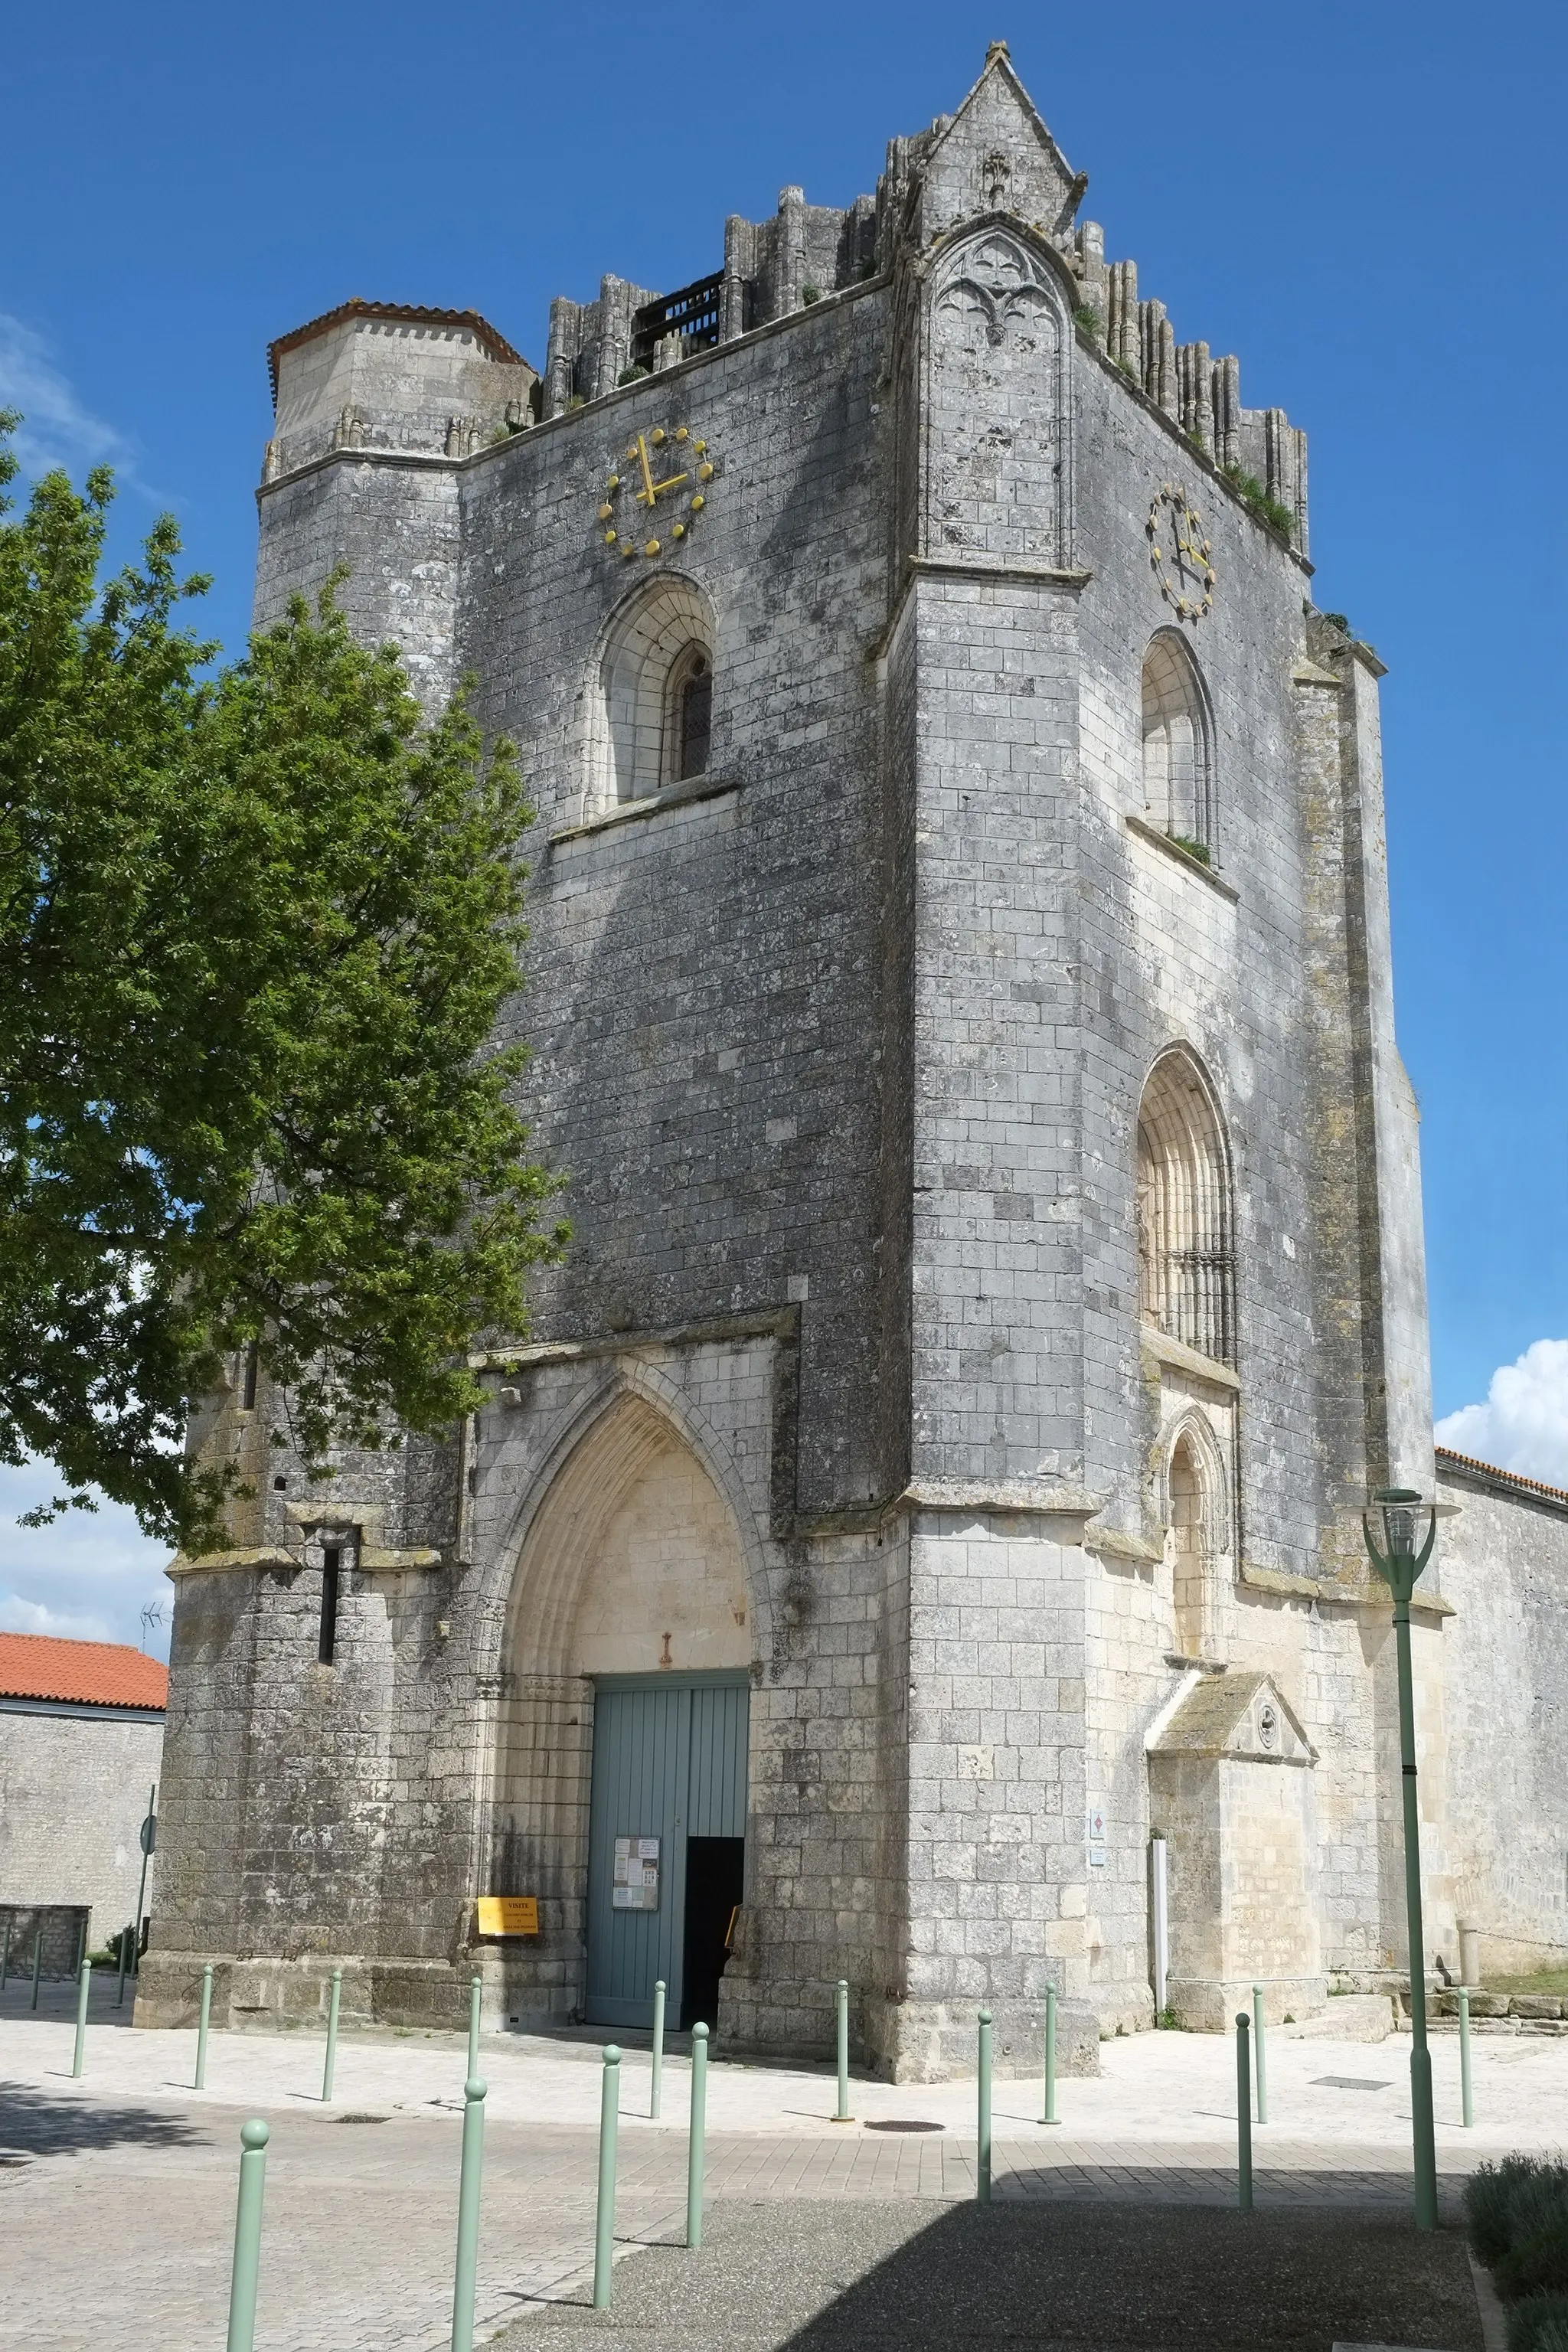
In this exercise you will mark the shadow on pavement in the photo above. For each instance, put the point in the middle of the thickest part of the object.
(824, 2274)
(38, 2125)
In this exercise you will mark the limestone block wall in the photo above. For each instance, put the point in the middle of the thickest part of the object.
(839, 1048)
(392, 522)
(393, 381)
(997, 1886)
(73, 1795)
(1505, 1568)
(707, 971)
(1242, 1893)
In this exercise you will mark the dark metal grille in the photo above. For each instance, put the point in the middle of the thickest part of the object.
(693, 313)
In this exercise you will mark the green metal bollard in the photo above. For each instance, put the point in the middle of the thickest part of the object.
(468, 2214)
(201, 2081)
(475, 1992)
(695, 2145)
(84, 1983)
(332, 2036)
(656, 2088)
(842, 2005)
(605, 2216)
(1467, 2106)
(37, 1963)
(1050, 2116)
(983, 2144)
(124, 1964)
(1261, 2059)
(253, 2138)
(1243, 2115)
(5, 1957)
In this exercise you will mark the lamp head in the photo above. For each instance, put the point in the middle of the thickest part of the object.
(1400, 1527)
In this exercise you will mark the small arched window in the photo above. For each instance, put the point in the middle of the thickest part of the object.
(1178, 747)
(1190, 1568)
(687, 715)
(653, 715)
(1185, 1266)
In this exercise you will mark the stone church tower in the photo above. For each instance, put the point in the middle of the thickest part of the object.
(962, 1010)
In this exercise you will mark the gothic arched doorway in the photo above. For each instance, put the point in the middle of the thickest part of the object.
(622, 1764)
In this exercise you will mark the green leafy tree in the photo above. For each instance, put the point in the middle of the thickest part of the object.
(255, 929)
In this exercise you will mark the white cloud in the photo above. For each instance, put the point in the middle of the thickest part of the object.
(88, 1576)
(56, 429)
(1523, 1424)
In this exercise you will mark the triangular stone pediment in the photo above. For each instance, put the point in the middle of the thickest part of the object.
(996, 156)
(1235, 1713)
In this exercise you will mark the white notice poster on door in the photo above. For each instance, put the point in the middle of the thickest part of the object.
(635, 1883)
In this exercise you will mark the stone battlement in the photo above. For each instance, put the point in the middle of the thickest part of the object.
(445, 385)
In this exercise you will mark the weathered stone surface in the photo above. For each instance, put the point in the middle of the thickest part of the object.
(856, 1372)
(74, 1787)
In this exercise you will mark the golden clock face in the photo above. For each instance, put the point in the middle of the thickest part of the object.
(655, 491)
(1180, 552)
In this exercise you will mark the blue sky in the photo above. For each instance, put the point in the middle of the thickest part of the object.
(1365, 203)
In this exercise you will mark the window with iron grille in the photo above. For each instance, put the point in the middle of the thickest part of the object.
(693, 313)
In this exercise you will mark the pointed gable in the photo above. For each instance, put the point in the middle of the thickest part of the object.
(1244, 1716)
(995, 155)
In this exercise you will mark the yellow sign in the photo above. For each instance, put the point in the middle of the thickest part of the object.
(509, 1915)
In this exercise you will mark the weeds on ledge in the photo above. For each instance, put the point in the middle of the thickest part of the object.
(1257, 501)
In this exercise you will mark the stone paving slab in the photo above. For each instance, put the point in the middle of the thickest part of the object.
(117, 2194)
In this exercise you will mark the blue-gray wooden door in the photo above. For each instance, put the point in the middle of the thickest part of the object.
(670, 1762)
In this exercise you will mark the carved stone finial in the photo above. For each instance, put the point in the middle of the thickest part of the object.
(997, 49)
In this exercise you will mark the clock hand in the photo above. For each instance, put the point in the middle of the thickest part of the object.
(648, 494)
(669, 483)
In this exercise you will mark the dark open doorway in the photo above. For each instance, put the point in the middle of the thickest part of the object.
(715, 1871)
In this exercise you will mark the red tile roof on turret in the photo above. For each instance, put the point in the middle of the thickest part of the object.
(92, 1673)
(413, 314)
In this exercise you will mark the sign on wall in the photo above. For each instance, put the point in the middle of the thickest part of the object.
(509, 1915)
(635, 1885)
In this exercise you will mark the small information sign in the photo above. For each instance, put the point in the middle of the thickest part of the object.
(509, 1915)
(634, 1887)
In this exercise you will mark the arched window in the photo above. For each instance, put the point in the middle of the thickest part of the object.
(1185, 1270)
(688, 716)
(1178, 746)
(653, 719)
(1190, 1565)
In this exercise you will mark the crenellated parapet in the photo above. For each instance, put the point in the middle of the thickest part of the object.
(1003, 162)
(1198, 392)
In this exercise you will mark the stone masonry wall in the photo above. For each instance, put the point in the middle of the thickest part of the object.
(838, 1048)
(1505, 1568)
(73, 1795)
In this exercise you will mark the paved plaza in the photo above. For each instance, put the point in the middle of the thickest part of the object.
(118, 2192)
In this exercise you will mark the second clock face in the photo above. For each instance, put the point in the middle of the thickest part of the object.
(1180, 552)
(655, 491)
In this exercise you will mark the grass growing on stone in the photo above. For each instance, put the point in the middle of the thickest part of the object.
(1545, 1980)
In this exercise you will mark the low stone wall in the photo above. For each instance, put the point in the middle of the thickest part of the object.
(63, 1928)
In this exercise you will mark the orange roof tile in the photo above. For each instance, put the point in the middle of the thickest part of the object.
(1511, 1477)
(93, 1674)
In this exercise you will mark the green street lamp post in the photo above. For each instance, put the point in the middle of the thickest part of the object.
(1408, 1527)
